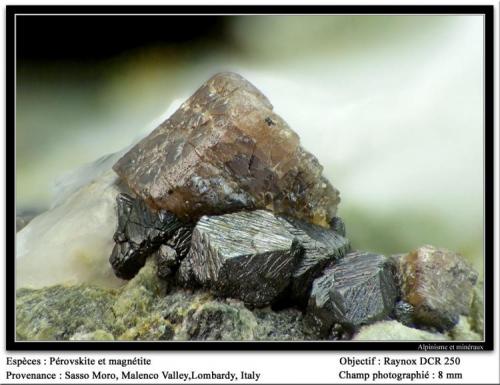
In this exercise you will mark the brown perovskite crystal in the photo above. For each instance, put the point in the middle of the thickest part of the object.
(438, 283)
(225, 150)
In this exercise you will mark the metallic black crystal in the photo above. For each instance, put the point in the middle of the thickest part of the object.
(245, 255)
(337, 224)
(166, 261)
(140, 232)
(320, 247)
(357, 290)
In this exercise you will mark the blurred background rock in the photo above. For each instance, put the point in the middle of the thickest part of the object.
(392, 106)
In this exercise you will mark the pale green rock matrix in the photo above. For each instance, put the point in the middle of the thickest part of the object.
(145, 309)
(59, 312)
(476, 316)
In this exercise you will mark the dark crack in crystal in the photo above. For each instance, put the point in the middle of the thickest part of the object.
(166, 261)
(337, 224)
(180, 240)
(358, 289)
(403, 312)
(140, 232)
(225, 150)
(320, 247)
(245, 255)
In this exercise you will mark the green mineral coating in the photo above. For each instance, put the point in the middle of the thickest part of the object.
(199, 316)
(144, 310)
(90, 313)
(135, 302)
(58, 312)
(395, 331)
(476, 315)
(217, 321)
(283, 325)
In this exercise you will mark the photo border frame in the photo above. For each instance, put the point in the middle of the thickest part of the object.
(489, 137)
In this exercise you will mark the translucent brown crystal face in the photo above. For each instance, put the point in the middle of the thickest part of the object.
(438, 283)
(225, 150)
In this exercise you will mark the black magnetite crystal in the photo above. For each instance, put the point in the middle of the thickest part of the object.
(404, 313)
(245, 255)
(184, 277)
(140, 232)
(180, 240)
(320, 247)
(337, 224)
(358, 289)
(167, 261)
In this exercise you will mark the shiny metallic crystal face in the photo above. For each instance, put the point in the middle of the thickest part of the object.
(141, 231)
(357, 290)
(245, 255)
(321, 246)
(225, 150)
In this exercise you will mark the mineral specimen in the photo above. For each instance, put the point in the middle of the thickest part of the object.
(438, 283)
(476, 316)
(166, 261)
(283, 325)
(180, 240)
(58, 312)
(215, 321)
(404, 312)
(140, 232)
(225, 150)
(184, 276)
(338, 225)
(359, 289)
(144, 309)
(320, 246)
(245, 255)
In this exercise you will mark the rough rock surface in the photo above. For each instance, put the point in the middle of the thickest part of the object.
(463, 331)
(438, 283)
(84, 312)
(217, 321)
(248, 255)
(184, 276)
(359, 289)
(144, 310)
(59, 312)
(337, 224)
(225, 150)
(395, 331)
(404, 313)
(320, 247)
(140, 232)
(476, 315)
